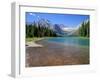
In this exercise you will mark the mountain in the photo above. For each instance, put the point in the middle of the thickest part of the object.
(59, 29)
(46, 23)
(74, 31)
(70, 31)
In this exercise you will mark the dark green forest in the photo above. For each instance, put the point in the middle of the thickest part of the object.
(84, 29)
(34, 31)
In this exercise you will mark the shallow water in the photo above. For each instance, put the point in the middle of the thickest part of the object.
(57, 51)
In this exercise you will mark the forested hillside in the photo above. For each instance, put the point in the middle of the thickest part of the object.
(84, 29)
(34, 31)
(44, 28)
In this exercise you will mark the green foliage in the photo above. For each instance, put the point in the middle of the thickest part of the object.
(84, 29)
(38, 31)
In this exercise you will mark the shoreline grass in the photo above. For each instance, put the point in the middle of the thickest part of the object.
(33, 39)
(84, 37)
(36, 38)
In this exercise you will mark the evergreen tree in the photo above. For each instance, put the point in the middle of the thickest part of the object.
(84, 29)
(39, 31)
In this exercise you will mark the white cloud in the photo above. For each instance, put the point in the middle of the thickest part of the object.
(32, 14)
(38, 16)
(68, 29)
(65, 29)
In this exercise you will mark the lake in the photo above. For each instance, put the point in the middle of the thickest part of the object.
(59, 51)
(74, 41)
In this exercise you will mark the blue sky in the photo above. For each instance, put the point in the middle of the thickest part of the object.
(70, 20)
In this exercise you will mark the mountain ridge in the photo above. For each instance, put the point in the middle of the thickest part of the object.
(60, 29)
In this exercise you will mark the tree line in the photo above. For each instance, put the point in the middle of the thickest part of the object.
(84, 29)
(33, 30)
(38, 31)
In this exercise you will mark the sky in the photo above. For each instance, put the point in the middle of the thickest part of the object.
(69, 20)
